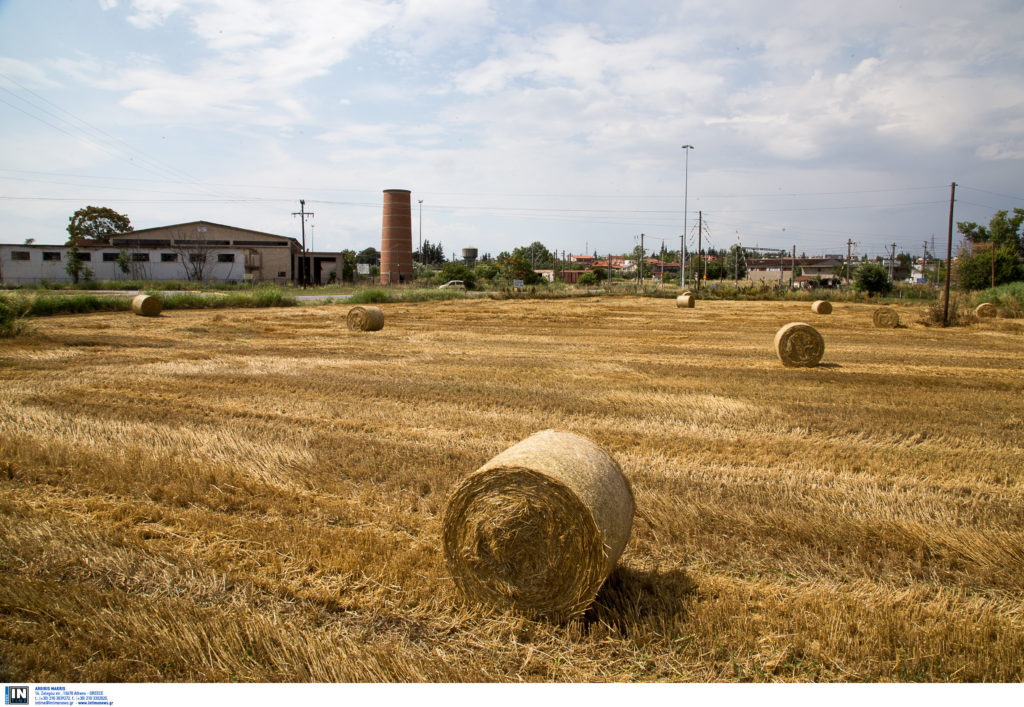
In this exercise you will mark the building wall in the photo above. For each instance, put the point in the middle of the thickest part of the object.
(270, 258)
(15, 271)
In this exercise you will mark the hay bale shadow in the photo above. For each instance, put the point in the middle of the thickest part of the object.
(630, 597)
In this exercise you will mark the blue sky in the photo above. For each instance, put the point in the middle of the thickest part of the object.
(812, 122)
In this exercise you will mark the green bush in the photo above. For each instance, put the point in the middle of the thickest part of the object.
(872, 278)
(974, 272)
(372, 295)
(456, 271)
(13, 309)
(1009, 298)
(587, 279)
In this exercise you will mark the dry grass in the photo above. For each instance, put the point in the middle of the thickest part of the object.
(256, 495)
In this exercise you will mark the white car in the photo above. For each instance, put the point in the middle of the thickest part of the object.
(452, 285)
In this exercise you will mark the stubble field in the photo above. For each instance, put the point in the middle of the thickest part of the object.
(257, 495)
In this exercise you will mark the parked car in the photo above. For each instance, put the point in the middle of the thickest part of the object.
(452, 285)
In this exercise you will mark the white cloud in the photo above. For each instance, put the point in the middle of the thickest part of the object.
(107, 4)
(256, 53)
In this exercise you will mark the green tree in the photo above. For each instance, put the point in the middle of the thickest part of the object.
(368, 256)
(536, 254)
(974, 272)
(432, 254)
(735, 263)
(124, 261)
(487, 271)
(519, 269)
(457, 271)
(587, 279)
(1003, 230)
(73, 266)
(872, 278)
(348, 268)
(97, 223)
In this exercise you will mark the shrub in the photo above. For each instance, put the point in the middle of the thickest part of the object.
(456, 271)
(974, 272)
(372, 295)
(873, 279)
(12, 315)
(587, 279)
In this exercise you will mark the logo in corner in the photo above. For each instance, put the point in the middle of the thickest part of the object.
(16, 694)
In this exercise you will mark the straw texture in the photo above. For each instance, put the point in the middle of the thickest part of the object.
(362, 318)
(822, 307)
(686, 300)
(799, 345)
(886, 318)
(147, 305)
(540, 526)
(986, 309)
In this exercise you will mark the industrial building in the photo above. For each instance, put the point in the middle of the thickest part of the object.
(196, 251)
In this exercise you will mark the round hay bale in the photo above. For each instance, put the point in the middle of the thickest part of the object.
(685, 292)
(540, 526)
(686, 300)
(886, 318)
(147, 305)
(822, 306)
(986, 309)
(362, 318)
(799, 345)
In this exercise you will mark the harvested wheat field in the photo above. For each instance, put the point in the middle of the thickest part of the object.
(258, 495)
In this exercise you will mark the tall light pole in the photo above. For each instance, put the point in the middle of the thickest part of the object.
(421, 230)
(682, 239)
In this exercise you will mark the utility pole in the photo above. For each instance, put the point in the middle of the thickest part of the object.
(892, 260)
(302, 264)
(640, 263)
(924, 259)
(792, 277)
(700, 254)
(949, 254)
(849, 244)
(682, 238)
(421, 230)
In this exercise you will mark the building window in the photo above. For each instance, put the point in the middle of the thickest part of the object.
(85, 257)
(168, 257)
(226, 258)
(110, 257)
(140, 257)
(20, 255)
(282, 273)
(51, 255)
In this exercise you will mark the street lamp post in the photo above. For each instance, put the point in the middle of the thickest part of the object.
(421, 230)
(682, 239)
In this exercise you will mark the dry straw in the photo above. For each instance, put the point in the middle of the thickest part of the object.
(822, 307)
(362, 318)
(985, 309)
(540, 526)
(147, 305)
(686, 300)
(886, 318)
(799, 345)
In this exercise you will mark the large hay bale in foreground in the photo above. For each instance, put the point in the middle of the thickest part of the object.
(362, 318)
(986, 309)
(540, 526)
(686, 300)
(822, 306)
(799, 345)
(147, 305)
(886, 318)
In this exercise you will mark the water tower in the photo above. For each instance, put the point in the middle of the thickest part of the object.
(469, 257)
